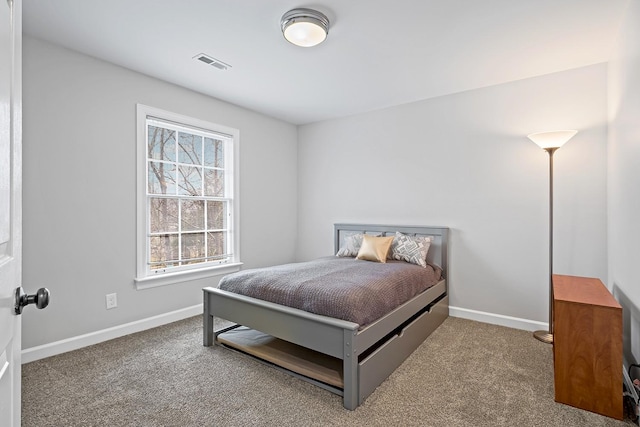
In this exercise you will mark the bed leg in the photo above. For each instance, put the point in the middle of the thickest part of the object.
(350, 371)
(207, 323)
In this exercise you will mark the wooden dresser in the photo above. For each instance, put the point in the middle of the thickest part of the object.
(587, 345)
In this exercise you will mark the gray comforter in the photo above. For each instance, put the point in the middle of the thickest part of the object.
(343, 288)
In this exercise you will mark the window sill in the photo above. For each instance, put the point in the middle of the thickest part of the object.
(184, 276)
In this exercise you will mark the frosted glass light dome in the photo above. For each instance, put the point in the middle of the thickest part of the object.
(553, 139)
(304, 27)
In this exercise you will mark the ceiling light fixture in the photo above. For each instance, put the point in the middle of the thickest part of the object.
(304, 27)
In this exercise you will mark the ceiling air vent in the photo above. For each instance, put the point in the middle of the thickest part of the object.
(212, 61)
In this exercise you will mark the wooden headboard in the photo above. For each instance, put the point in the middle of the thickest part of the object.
(439, 238)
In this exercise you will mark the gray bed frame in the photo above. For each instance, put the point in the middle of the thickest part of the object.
(370, 354)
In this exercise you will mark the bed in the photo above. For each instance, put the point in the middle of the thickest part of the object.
(342, 356)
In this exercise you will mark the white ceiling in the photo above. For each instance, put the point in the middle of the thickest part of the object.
(379, 53)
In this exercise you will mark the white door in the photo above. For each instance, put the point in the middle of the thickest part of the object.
(10, 207)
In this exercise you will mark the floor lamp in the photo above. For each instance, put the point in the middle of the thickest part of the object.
(550, 142)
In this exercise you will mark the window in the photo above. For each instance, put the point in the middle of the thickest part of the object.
(187, 200)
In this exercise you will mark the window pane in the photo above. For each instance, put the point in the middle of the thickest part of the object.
(162, 178)
(163, 249)
(190, 181)
(161, 143)
(163, 215)
(216, 215)
(189, 148)
(192, 215)
(189, 193)
(192, 248)
(213, 153)
(214, 182)
(216, 244)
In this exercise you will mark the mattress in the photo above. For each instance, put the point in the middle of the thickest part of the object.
(344, 288)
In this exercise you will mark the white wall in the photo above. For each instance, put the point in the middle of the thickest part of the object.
(79, 190)
(464, 161)
(624, 177)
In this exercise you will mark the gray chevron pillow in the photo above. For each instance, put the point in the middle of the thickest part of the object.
(412, 249)
(351, 245)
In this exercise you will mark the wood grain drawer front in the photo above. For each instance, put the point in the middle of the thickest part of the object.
(587, 346)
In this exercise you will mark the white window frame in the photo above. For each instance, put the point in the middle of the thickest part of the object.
(146, 277)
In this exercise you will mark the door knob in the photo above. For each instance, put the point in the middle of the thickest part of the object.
(40, 299)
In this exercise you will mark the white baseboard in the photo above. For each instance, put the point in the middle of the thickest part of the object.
(498, 319)
(74, 343)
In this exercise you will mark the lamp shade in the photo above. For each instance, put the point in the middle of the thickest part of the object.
(304, 27)
(553, 139)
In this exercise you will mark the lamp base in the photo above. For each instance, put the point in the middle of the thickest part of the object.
(544, 336)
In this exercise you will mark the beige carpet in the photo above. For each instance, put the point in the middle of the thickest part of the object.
(466, 374)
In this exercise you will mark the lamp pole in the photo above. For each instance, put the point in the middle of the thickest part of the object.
(547, 336)
(550, 142)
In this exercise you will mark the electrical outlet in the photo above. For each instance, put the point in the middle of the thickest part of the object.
(112, 301)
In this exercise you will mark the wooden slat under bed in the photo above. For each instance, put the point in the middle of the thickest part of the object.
(301, 360)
